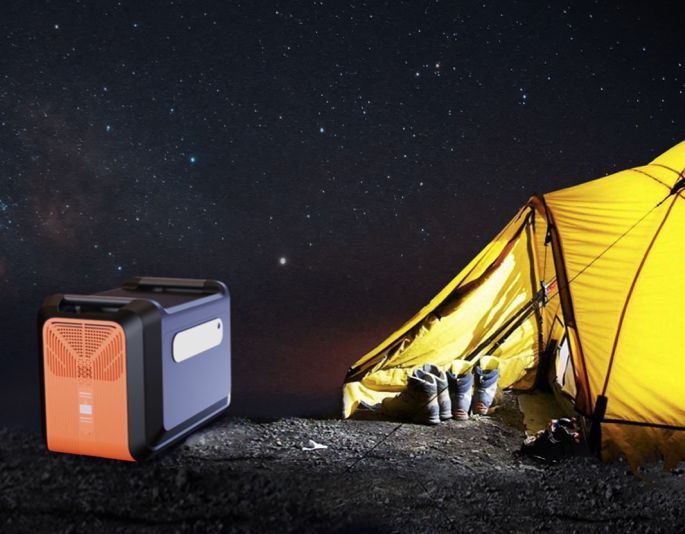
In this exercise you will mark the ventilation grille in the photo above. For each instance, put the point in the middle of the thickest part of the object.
(84, 351)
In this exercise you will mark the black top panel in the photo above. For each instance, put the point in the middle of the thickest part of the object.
(167, 299)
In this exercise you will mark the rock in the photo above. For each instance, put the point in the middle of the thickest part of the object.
(181, 479)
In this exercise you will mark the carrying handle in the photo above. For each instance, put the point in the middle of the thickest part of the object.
(139, 283)
(94, 302)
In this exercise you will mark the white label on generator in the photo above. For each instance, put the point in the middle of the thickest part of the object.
(197, 339)
(86, 408)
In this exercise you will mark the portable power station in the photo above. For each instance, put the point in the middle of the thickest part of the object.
(128, 372)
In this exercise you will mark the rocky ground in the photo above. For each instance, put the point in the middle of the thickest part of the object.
(239, 475)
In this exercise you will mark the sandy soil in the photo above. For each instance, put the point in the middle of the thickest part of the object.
(375, 476)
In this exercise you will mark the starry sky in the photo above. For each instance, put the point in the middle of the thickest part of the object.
(334, 163)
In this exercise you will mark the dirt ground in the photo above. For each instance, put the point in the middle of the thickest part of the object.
(238, 475)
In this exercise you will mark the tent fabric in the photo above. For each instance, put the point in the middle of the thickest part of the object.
(473, 270)
(628, 303)
(608, 255)
(483, 298)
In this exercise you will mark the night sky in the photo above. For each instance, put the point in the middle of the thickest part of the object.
(335, 164)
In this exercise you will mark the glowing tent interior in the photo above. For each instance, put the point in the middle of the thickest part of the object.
(586, 282)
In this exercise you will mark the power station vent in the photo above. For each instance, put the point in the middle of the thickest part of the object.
(84, 350)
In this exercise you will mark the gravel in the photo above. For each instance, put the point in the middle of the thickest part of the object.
(239, 475)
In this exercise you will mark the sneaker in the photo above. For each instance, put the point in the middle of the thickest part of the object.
(460, 381)
(487, 394)
(419, 402)
(444, 401)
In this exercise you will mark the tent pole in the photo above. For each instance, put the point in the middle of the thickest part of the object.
(519, 317)
(595, 438)
(513, 329)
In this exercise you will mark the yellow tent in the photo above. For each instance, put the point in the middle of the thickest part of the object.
(588, 280)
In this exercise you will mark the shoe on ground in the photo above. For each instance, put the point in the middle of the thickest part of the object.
(460, 384)
(487, 395)
(418, 402)
(444, 402)
(558, 441)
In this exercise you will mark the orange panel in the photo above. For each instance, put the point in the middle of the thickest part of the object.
(85, 388)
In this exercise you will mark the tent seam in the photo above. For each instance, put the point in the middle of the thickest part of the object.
(679, 174)
(667, 168)
(642, 423)
(569, 322)
(630, 294)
